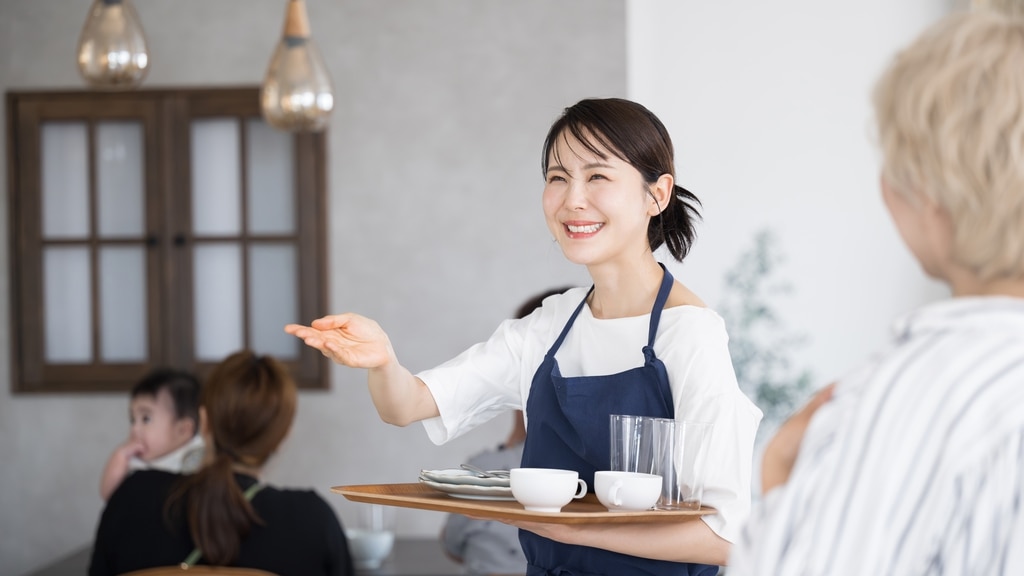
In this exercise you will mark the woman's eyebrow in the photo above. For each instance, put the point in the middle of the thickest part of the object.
(590, 166)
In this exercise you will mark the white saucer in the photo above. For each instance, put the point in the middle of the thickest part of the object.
(470, 491)
(464, 477)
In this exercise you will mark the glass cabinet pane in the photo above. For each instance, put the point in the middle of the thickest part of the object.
(216, 186)
(67, 308)
(167, 227)
(217, 290)
(64, 147)
(120, 188)
(270, 173)
(123, 309)
(273, 298)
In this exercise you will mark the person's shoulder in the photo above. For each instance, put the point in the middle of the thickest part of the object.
(550, 315)
(150, 477)
(696, 318)
(144, 485)
(561, 303)
(298, 498)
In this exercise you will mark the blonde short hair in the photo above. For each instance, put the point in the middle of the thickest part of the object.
(950, 114)
(1010, 7)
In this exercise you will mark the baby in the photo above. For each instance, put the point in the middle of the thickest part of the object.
(164, 417)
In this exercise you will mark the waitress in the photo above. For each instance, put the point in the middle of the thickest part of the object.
(635, 342)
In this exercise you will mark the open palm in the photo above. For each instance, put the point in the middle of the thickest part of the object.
(348, 339)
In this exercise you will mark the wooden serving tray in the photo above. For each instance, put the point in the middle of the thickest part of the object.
(583, 511)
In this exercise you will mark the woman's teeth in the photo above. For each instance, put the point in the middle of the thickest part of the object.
(588, 229)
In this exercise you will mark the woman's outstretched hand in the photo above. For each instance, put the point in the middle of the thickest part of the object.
(348, 339)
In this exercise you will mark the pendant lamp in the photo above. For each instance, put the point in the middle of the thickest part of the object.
(112, 49)
(297, 94)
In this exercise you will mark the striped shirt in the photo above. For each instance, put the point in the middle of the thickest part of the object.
(916, 465)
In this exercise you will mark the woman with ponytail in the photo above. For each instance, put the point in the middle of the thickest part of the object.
(636, 341)
(223, 514)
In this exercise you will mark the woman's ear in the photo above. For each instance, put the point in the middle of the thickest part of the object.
(660, 193)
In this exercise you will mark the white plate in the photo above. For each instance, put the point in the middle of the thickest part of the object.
(471, 492)
(460, 476)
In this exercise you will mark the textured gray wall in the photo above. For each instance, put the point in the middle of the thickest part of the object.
(436, 228)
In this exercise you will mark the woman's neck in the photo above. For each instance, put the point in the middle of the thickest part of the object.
(621, 292)
(970, 285)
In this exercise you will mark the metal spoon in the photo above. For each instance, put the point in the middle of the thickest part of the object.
(483, 473)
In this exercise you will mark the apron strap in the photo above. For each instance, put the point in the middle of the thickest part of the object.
(659, 304)
(196, 554)
(568, 325)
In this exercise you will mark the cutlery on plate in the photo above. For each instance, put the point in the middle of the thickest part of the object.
(485, 473)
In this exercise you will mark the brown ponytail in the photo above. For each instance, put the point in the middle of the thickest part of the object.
(250, 403)
(675, 225)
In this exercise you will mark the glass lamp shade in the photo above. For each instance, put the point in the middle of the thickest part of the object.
(297, 94)
(112, 49)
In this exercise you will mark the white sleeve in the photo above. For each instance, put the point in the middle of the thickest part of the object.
(493, 377)
(704, 388)
(477, 385)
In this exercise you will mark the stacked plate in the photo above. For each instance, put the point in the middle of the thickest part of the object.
(465, 484)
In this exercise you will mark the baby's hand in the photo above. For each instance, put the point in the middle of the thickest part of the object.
(130, 449)
(118, 466)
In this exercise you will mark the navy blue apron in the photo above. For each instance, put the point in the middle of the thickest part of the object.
(568, 428)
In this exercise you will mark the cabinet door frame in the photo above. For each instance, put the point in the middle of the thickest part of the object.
(165, 116)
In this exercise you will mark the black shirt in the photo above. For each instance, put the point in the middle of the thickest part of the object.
(300, 534)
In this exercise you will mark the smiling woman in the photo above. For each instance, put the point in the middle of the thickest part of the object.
(636, 342)
(602, 138)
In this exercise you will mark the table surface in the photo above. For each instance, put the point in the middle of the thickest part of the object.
(410, 557)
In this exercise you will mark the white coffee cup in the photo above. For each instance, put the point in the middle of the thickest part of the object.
(546, 489)
(369, 548)
(620, 491)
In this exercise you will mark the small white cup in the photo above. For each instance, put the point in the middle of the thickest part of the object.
(620, 491)
(546, 489)
(369, 548)
(372, 538)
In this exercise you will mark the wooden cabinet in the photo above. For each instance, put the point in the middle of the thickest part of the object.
(158, 228)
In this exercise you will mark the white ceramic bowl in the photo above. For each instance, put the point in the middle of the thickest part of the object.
(369, 547)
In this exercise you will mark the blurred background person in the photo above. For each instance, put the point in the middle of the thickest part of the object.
(914, 463)
(223, 515)
(163, 415)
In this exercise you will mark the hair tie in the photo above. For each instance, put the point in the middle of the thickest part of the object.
(231, 454)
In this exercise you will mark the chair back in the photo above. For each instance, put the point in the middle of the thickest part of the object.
(198, 571)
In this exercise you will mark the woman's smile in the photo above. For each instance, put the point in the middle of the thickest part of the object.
(577, 230)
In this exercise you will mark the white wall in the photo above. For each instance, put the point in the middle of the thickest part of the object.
(769, 107)
(435, 221)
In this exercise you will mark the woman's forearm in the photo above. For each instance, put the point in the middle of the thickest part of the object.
(400, 397)
(690, 541)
